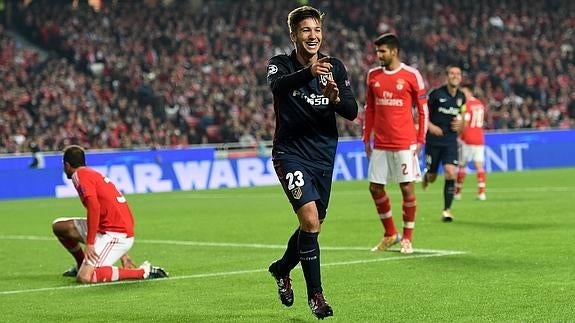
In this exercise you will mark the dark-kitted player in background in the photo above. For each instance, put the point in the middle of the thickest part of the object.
(446, 105)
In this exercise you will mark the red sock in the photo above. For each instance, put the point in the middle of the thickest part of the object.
(481, 182)
(131, 273)
(460, 179)
(112, 273)
(74, 248)
(409, 205)
(104, 274)
(383, 206)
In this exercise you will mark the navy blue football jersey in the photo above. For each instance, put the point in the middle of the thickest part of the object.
(442, 109)
(305, 119)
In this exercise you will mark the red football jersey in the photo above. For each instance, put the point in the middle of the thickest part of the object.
(390, 98)
(109, 210)
(474, 119)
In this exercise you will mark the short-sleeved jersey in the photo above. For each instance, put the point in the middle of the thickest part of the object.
(474, 117)
(305, 119)
(443, 107)
(114, 213)
(390, 97)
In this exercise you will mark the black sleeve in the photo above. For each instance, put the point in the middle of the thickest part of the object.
(281, 80)
(347, 106)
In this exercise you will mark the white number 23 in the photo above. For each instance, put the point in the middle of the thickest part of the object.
(294, 179)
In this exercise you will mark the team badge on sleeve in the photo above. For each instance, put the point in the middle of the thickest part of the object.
(272, 69)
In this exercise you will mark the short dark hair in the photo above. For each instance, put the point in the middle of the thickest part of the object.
(388, 39)
(298, 14)
(450, 66)
(75, 156)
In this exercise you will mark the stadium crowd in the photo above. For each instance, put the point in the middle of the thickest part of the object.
(145, 74)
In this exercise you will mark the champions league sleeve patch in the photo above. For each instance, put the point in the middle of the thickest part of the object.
(272, 69)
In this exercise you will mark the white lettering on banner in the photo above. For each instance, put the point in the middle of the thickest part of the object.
(222, 175)
(251, 172)
(358, 157)
(193, 174)
(148, 178)
(207, 174)
(503, 162)
(120, 175)
(340, 168)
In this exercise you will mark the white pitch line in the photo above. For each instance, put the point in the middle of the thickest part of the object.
(214, 244)
(230, 273)
(263, 195)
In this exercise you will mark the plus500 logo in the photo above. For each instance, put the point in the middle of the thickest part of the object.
(312, 99)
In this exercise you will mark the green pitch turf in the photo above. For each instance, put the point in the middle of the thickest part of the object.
(507, 259)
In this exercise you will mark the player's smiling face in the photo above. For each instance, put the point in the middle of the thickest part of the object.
(307, 38)
(454, 77)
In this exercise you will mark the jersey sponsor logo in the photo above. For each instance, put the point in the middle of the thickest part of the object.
(272, 69)
(450, 110)
(312, 99)
(399, 84)
(388, 100)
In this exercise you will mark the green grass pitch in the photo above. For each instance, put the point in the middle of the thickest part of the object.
(507, 259)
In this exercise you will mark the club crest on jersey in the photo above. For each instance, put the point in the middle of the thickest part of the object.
(459, 102)
(325, 78)
(272, 69)
(399, 84)
(296, 193)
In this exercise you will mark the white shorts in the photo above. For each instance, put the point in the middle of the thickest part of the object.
(110, 246)
(394, 166)
(469, 153)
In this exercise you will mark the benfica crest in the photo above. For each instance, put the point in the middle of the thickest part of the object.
(296, 193)
(399, 84)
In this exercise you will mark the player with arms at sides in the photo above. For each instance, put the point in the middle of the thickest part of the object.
(472, 143)
(392, 91)
(446, 105)
(107, 231)
(309, 89)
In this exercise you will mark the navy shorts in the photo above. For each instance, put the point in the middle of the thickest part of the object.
(303, 183)
(434, 155)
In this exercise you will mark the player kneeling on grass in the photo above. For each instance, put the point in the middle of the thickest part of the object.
(107, 231)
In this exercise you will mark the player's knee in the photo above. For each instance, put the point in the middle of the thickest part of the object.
(407, 190)
(60, 226)
(375, 189)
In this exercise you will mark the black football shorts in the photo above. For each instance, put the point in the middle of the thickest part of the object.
(444, 154)
(303, 183)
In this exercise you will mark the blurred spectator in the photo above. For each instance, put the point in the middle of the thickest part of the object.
(175, 73)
